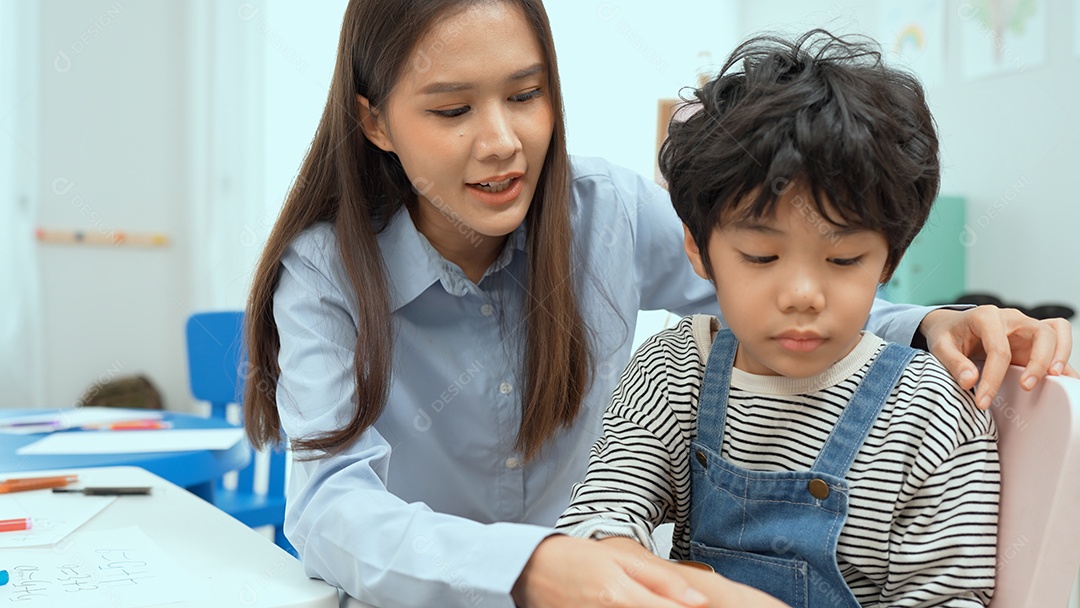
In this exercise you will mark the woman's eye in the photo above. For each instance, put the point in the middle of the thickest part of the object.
(759, 259)
(451, 113)
(845, 261)
(526, 96)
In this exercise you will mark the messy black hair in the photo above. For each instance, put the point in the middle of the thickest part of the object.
(821, 113)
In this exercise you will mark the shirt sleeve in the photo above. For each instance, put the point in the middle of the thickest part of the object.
(898, 323)
(629, 487)
(944, 533)
(348, 528)
(665, 277)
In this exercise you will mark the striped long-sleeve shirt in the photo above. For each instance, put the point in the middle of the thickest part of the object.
(922, 519)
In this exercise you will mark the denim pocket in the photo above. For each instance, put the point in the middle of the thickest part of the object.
(785, 579)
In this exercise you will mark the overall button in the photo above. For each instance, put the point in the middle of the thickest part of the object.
(701, 458)
(505, 388)
(487, 310)
(818, 489)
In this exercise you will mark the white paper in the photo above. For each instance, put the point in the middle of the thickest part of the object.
(120, 568)
(132, 442)
(54, 516)
(72, 418)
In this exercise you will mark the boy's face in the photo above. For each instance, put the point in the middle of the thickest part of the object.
(794, 288)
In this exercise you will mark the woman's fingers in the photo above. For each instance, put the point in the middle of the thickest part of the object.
(565, 571)
(1002, 337)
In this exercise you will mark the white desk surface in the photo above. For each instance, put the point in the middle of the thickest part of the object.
(238, 566)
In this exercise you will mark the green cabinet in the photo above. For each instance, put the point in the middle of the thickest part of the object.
(932, 270)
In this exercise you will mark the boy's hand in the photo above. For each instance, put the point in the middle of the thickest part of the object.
(1003, 336)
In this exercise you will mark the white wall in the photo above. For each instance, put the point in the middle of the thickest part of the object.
(113, 142)
(300, 41)
(617, 59)
(22, 369)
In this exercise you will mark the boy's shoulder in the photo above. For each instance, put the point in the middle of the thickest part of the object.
(689, 338)
(684, 345)
(927, 391)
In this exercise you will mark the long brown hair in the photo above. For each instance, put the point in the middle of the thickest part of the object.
(348, 181)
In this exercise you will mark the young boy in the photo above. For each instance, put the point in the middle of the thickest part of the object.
(793, 451)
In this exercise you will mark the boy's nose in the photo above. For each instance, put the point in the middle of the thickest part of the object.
(803, 293)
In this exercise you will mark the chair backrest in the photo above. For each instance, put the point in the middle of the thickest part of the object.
(1038, 528)
(216, 356)
(216, 353)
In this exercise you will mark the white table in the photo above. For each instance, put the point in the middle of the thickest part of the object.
(238, 566)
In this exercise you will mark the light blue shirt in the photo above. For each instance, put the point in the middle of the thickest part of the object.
(434, 506)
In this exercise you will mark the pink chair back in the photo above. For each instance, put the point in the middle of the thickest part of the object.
(1039, 522)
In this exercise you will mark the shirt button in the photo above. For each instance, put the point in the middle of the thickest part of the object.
(505, 388)
(511, 463)
(487, 310)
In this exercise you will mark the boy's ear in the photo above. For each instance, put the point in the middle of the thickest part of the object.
(372, 125)
(693, 253)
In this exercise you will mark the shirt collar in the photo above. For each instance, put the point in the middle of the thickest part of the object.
(413, 265)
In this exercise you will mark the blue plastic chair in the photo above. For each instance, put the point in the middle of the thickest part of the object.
(216, 354)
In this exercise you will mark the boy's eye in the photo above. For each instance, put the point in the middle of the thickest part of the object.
(759, 259)
(452, 112)
(845, 261)
(526, 96)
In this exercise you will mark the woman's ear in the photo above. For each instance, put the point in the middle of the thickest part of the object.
(693, 253)
(372, 125)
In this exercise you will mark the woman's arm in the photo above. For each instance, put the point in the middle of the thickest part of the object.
(347, 527)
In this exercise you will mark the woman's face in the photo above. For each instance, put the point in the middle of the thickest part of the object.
(471, 121)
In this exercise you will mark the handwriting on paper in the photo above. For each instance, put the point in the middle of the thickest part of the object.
(100, 569)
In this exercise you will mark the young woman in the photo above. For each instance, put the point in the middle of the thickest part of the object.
(445, 304)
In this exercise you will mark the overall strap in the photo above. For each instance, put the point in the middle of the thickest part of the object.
(858, 417)
(712, 404)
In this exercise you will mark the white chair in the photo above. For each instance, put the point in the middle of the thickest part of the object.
(1039, 522)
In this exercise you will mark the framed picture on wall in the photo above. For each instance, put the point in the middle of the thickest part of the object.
(665, 111)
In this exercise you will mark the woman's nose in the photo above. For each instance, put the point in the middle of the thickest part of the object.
(497, 137)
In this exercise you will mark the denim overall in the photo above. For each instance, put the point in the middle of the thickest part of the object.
(777, 530)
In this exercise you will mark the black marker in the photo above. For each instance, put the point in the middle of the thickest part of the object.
(104, 491)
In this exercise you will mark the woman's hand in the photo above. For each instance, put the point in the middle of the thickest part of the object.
(565, 571)
(1003, 336)
(725, 593)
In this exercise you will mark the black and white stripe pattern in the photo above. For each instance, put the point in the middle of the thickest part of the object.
(921, 529)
